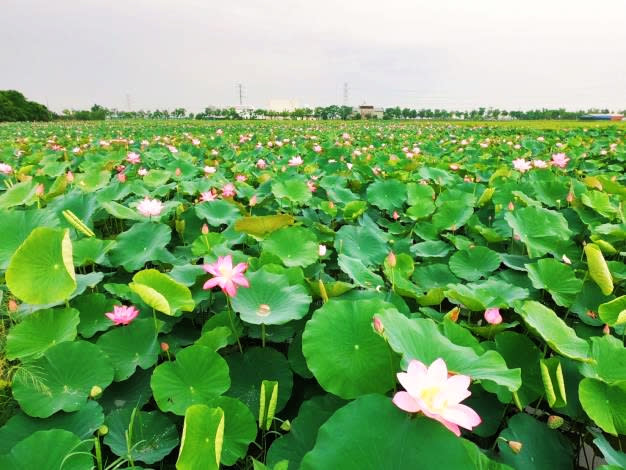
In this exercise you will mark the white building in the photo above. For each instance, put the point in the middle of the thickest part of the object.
(280, 105)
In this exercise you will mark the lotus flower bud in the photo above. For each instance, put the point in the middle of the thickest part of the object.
(69, 176)
(253, 200)
(570, 197)
(492, 316)
(165, 347)
(606, 330)
(12, 306)
(515, 446)
(555, 422)
(103, 430)
(321, 250)
(39, 190)
(511, 206)
(395, 215)
(95, 392)
(391, 259)
(378, 326)
(178, 172)
(286, 426)
(121, 177)
(453, 314)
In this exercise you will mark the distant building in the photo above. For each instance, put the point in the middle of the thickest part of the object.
(246, 112)
(370, 112)
(281, 105)
(602, 117)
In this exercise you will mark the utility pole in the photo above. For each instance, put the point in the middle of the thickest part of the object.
(240, 86)
(345, 93)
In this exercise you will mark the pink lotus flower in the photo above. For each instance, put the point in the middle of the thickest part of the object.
(207, 196)
(395, 215)
(172, 149)
(6, 169)
(226, 276)
(560, 160)
(492, 316)
(195, 141)
(296, 161)
(209, 170)
(228, 190)
(142, 172)
(39, 190)
(253, 201)
(261, 164)
(540, 164)
(241, 178)
(219, 132)
(429, 390)
(122, 314)
(121, 177)
(69, 176)
(521, 165)
(311, 185)
(150, 207)
(133, 158)
(317, 148)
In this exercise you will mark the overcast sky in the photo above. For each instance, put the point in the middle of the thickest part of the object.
(453, 54)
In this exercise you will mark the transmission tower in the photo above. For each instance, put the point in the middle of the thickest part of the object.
(345, 93)
(240, 87)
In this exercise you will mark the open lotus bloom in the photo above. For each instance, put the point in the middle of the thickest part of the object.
(150, 207)
(226, 276)
(122, 314)
(430, 391)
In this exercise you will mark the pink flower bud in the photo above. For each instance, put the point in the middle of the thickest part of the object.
(39, 190)
(205, 229)
(511, 206)
(69, 176)
(395, 215)
(555, 422)
(121, 177)
(165, 347)
(492, 316)
(321, 250)
(12, 306)
(606, 329)
(515, 446)
(566, 260)
(253, 200)
(391, 259)
(378, 326)
(570, 197)
(178, 172)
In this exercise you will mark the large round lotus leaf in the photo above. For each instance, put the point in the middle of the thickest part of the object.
(39, 331)
(218, 212)
(303, 433)
(428, 276)
(540, 229)
(248, 370)
(129, 347)
(20, 193)
(153, 435)
(361, 243)
(49, 450)
(202, 439)
(387, 195)
(431, 249)
(41, 271)
(344, 353)
(294, 189)
(239, 428)
(61, 379)
(474, 263)
(133, 392)
(452, 215)
(420, 339)
(271, 300)
(295, 246)
(614, 312)
(388, 439)
(162, 293)
(557, 278)
(261, 225)
(82, 423)
(358, 272)
(144, 242)
(92, 308)
(22, 223)
(198, 375)
(605, 404)
(542, 447)
(484, 294)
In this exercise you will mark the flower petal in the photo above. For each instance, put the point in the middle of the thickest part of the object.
(405, 402)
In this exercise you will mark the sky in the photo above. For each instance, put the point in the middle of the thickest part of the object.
(452, 54)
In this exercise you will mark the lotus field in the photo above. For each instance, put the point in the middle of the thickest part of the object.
(309, 295)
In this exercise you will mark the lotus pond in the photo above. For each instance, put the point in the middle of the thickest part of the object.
(312, 296)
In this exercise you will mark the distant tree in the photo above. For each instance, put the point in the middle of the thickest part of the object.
(15, 107)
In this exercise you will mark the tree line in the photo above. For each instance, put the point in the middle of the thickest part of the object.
(15, 107)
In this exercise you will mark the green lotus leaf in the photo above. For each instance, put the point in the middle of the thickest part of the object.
(92, 180)
(218, 212)
(343, 351)
(557, 278)
(605, 404)
(295, 246)
(18, 194)
(197, 376)
(82, 423)
(92, 250)
(419, 193)
(541, 230)
(542, 447)
(133, 392)
(202, 440)
(612, 456)
(431, 249)
(421, 339)
(270, 300)
(354, 209)
(428, 276)
(387, 195)
(151, 435)
(41, 271)
(22, 223)
(361, 243)
(240, 428)
(122, 212)
(613, 313)
(162, 293)
(248, 370)
(474, 263)
(358, 272)
(39, 331)
(367, 419)
(485, 294)
(554, 331)
(144, 242)
(130, 347)
(609, 360)
(49, 450)
(61, 379)
(260, 226)
(452, 215)
(301, 438)
(598, 269)
(293, 189)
